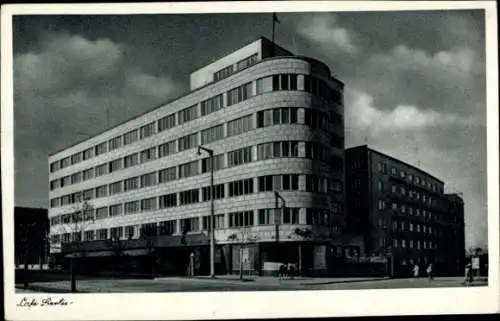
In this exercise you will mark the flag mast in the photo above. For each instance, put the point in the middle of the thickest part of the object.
(275, 19)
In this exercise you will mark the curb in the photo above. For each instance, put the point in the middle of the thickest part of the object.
(46, 289)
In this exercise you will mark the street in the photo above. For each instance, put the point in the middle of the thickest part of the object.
(261, 284)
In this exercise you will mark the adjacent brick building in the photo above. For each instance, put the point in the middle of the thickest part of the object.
(275, 123)
(403, 212)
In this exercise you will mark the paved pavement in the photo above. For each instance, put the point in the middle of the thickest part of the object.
(228, 284)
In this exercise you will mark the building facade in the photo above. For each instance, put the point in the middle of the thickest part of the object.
(31, 236)
(455, 226)
(402, 212)
(275, 124)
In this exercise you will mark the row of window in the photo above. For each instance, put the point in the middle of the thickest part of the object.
(407, 226)
(411, 211)
(235, 95)
(240, 65)
(287, 182)
(313, 150)
(195, 224)
(382, 168)
(412, 244)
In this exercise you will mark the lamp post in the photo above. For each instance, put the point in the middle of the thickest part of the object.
(277, 218)
(210, 152)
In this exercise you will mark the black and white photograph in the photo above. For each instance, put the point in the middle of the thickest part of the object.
(207, 151)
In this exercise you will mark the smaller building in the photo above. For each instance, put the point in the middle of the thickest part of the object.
(456, 225)
(403, 213)
(31, 230)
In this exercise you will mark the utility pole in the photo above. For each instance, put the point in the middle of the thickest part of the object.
(277, 217)
(210, 152)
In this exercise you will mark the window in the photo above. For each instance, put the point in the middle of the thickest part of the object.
(132, 207)
(315, 184)
(240, 125)
(65, 162)
(187, 114)
(316, 216)
(101, 170)
(76, 158)
(265, 216)
(265, 183)
(290, 215)
(101, 149)
(218, 192)
(148, 179)
(167, 174)
(189, 197)
(219, 222)
(277, 149)
(168, 200)
(116, 233)
(239, 157)
(247, 62)
(223, 73)
(187, 142)
(149, 204)
(115, 143)
(101, 191)
(115, 188)
(54, 166)
(148, 130)
(65, 238)
(166, 122)
(212, 134)
(116, 210)
(218, 163)
(148, 230)
(87, 154)
(131, 160)
(188, 169)
(290, 182)
(128, 185)
(89, 236)
(102, 234)
(167, 227)
(130, 137)
(239, 219)
(88, 174)
(88, 194)
(394, 171)
(115, 165)
(382, 167)
(335, 185)
(129, 232)
(212, 105)
(241, 187)
(285, 82)
(76, 178)
(166, 149)
(148, 154)
(54, 202)
(190, 224)
(101, 213)
(381, 205)
(276, 116)
(380, 186)
(264, 85)
(239, 94)
(316, 151)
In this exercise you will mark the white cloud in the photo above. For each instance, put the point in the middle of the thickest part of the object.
(323, 31)
(362, 114)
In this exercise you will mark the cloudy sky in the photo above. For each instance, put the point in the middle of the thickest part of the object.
(415, 83)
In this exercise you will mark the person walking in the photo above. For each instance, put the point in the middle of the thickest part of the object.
(416, 271)
(430, 272)
(468, 275)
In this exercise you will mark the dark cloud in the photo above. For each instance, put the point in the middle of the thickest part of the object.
(415, 82)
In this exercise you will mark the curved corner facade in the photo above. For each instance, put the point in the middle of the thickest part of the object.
(276, 125)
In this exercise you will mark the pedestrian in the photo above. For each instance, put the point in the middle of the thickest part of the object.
(430, 272)
(416, 271)
(291, 271)
(466, 274)
(282, 271)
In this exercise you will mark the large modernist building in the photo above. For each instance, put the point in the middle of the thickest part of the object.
(275, 124)
(403, 212)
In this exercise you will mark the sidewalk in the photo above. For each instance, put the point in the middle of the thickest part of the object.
(269, 280)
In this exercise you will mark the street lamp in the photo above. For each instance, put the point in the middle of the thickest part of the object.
(212, 215)
(277, 196)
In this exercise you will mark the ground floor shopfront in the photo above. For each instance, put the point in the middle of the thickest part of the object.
(177, 257)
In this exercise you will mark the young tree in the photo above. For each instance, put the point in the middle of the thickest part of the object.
(245, 238)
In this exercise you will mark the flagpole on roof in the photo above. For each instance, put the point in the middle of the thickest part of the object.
(275, 19)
